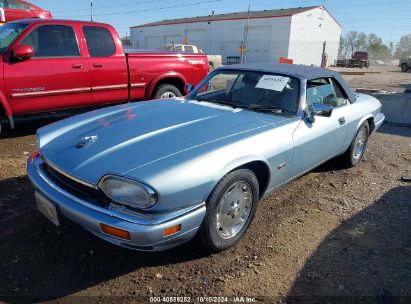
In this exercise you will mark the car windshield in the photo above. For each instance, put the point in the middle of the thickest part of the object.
(255, 91)
(8, 33)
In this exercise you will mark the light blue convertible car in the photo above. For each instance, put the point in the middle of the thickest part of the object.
(152, 175)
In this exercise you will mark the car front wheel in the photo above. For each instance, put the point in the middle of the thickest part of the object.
(356, 150)
(404, 67)
(230, 210)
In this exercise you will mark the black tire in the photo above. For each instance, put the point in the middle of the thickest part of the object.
(351, 158)
(404, 67)
(208, 233)
(165, 89)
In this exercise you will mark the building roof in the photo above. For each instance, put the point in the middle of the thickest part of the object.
(283, 12)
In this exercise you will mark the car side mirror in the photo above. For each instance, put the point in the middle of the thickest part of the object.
(189, 87)
(318, 109)
(322, 109)
(23, 52)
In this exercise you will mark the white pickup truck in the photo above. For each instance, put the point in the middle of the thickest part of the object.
(214, 61)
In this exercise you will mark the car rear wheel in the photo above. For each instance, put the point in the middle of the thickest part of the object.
(356, 150)
(404, 67)
(166, 91)
(230, 210)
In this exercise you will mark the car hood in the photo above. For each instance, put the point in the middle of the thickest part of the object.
(118, 139)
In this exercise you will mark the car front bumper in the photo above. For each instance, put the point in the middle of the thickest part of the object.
(146, 230)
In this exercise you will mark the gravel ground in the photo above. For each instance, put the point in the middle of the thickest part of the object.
(385, 78)
(333, 232)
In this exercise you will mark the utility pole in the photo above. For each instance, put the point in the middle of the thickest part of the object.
(246, 34)
(323, 56)
(91, 10)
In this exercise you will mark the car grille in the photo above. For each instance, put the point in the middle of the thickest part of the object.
(88, 194)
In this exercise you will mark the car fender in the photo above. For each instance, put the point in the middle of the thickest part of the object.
(7, 109)
(361, 121)
(238, 163)
(158, 78)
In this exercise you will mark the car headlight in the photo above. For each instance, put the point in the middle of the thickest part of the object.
(128, 192)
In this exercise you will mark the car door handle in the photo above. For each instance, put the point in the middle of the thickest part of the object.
(341, 120)
(97, 65)
(77, 66)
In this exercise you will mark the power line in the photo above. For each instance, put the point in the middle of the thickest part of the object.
(108, 6)
(145, 10)
(256, 5)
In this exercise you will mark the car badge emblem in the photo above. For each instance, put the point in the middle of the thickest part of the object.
(87, 141)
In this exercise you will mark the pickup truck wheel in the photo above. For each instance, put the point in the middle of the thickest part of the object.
(356, 150)
(166, 91)
(230, 210)
(404, 67)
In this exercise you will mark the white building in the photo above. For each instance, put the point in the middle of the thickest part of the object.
(295, 33)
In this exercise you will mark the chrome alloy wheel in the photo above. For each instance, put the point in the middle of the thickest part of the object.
(234, 210)
(168, 95)
(359, 143)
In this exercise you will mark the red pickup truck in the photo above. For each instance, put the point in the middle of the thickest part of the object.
(49, 65)
(11, 10)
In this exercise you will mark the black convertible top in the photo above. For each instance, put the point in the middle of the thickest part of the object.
(304, 71)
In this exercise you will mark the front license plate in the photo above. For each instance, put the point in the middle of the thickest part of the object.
(47, 208)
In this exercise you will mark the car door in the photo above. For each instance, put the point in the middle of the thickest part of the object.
(324, 138)
(56, 77)
(108, 65)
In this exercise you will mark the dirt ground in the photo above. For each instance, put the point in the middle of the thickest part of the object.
(334, 232)
(333, 235)
(385, 78)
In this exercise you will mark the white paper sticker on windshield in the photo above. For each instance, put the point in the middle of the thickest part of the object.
(272, 82)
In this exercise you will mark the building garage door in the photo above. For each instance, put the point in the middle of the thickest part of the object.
(168, 39)
(198, 38)
(153, 42)
(259, 44)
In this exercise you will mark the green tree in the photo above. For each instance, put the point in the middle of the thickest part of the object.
(403, 47)
(343, 46)
(377, 49)
(373, 39)
(355, 41)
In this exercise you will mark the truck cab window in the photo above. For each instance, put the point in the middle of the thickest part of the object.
(53, 41)
(188, 49)
(99, 41)
(178, 48)
(17, 5)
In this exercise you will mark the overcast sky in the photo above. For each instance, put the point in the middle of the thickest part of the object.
(389, 19)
